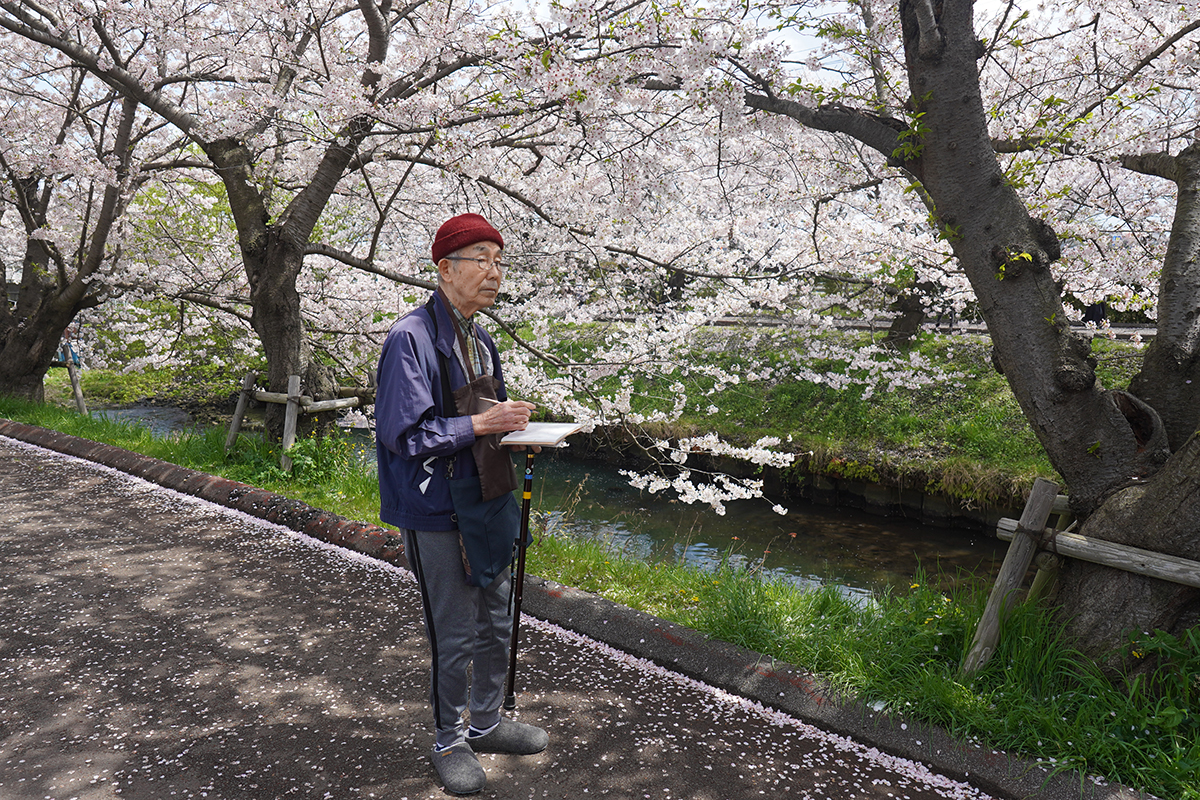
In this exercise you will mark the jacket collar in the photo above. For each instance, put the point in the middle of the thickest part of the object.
(446, 340)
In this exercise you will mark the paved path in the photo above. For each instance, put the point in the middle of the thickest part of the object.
(155, 645)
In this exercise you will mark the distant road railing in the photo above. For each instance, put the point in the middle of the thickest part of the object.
(1120, 330)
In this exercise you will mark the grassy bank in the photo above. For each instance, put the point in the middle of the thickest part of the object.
(965, 439)
(899, 653)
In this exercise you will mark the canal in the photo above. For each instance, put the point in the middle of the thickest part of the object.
(813, 544)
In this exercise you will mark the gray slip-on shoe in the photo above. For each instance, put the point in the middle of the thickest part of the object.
(512, 737)
(460, 770)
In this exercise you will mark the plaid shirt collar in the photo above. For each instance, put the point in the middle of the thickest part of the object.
(479, 364)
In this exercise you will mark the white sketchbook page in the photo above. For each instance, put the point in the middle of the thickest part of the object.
(545, 434)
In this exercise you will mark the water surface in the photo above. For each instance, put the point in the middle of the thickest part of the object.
(812, 544)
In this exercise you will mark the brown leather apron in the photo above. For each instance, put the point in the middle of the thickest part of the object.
(496, 473)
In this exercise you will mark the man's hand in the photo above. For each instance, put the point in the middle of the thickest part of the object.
(511, 415)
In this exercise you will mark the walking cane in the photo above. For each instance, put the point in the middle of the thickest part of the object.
(510, 697)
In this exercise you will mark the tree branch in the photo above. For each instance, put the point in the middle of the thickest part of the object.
(930, 42)
(365, 265)
(377, 42)
(188, 295)
(209, 302)
(115, 76)
(111, 207)
(877, 132)
(516, 337)
(1146, 61)
(1162, 165)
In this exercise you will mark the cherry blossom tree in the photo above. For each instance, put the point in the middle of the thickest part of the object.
(282, 103)
(1027, 137)
(338, 140)
(65, 147)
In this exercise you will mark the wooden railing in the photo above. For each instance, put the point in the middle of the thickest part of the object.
(1031, 541)
(296, 403)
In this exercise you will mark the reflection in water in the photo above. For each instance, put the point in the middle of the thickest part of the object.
(812, 544)
(160, 420)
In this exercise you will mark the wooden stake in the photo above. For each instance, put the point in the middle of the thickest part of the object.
(289, 421)
(1012, 572)
(235, 424)
(75, 387)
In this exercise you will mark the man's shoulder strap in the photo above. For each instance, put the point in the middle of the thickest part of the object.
(448, 407)
(431, 309)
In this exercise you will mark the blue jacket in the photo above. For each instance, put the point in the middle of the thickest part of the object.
(413, 441)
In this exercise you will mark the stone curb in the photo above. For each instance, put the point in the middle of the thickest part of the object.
(804, 696)
(731, 668)
(362, 537)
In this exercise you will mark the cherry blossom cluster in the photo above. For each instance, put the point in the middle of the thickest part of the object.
(644, 206)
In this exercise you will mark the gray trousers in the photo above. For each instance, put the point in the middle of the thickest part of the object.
(469, 630)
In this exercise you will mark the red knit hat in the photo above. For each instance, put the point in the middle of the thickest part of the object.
(461, 231)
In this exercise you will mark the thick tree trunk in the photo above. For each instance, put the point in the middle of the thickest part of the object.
(1100, 441)
(1170, 376)
(273, 256)
(25, 359)
(54, 289)
(905, 326)
(1102, 606)
(277, 321)
(31, 333)
(1109, 446)
(1096, 439)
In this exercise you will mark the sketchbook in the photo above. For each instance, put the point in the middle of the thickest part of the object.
(542, 434)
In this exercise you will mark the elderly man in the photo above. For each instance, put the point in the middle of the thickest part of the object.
(447, 484)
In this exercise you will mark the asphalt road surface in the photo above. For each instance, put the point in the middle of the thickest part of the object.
(156, 645)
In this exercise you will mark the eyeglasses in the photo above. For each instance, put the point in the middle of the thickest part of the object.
(483, 262)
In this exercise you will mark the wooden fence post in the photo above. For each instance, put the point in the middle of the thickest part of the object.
(75, 387)
(1012, 572)
(1048, 564)
(297, 404)
(235, 424)
(289, 421)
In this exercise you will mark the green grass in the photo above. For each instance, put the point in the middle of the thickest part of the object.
(965, 438)
(899, 652)
(325, 473)
(185, 387)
